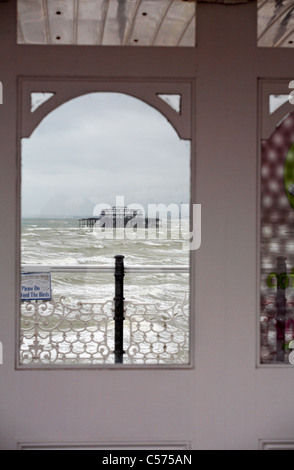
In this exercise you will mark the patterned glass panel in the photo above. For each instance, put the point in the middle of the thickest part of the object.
(277, 245)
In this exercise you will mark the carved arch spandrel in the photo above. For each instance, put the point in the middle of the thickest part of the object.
(65, 90)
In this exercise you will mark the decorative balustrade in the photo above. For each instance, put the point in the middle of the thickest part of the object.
(59, 332)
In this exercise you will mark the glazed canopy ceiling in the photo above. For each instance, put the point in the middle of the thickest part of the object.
(107, 22)
(275, 23)
(139, 22)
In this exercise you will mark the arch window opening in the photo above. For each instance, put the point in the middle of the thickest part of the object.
(276, 261)
(104, 174)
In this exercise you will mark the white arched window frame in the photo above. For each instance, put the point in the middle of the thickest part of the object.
(275, 220)
(38, 97)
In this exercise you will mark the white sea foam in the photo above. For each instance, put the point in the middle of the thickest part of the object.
(62, 242)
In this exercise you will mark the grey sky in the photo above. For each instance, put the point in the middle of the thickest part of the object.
(100, 146)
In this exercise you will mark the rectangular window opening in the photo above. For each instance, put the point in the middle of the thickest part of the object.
(105, 237)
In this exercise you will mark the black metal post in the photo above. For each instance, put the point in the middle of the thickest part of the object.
(119, 309)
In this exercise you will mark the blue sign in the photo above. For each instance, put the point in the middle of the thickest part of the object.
(35, 286)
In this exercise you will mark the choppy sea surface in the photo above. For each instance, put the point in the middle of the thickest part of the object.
(68, 331)
(48, 242)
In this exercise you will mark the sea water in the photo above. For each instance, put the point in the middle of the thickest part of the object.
(48, 242)
(158, 301)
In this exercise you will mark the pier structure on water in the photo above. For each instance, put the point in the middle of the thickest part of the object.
(119, 217)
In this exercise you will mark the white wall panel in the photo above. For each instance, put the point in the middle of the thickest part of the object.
(225, 402)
